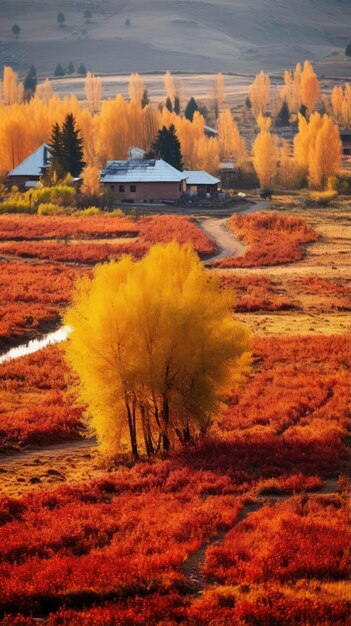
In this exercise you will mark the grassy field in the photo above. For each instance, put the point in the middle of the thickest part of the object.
(249, 526)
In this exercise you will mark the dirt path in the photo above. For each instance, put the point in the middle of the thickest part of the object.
(72, 461)
(226, 241)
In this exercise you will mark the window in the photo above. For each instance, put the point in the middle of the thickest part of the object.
(112, 187)
(121, 188)
(133, 188)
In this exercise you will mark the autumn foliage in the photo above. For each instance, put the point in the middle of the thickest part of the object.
(36, 406)
(271, 238)
(153, 343)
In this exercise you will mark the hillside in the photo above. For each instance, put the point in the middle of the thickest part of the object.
(181, 35)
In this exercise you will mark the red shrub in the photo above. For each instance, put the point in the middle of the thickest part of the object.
(272, 239)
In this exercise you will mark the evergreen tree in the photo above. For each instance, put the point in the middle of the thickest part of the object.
(59, 71)
(303, 110)
(283, 117)
(61, 19)
(82, 70)
(348, 50)
(145, 99)
(176, 107)
(66, 148)
(16, 30)
(190, 109)
(87, 15)
(70, 69)
(30, 83)
(248, 103)
(56, 151)
(167, 147)
(169, 105)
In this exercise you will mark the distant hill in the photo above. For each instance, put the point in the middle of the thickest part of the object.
(186, 35)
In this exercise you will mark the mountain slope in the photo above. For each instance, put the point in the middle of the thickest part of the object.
(186, 35)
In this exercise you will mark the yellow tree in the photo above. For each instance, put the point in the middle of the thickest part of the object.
(346, 106)
(93, 91)
(325, 154)
(154, 345)
(206, 154)
(310, 88)
(169, 86)
(90, 180)
(44, 91)
(219, 93)
(291, 174)
(265, 153)
(337, 102)
(136, 88)
(259, 93)
(12, 90)
(232, 146)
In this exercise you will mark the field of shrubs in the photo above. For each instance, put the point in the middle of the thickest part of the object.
(249, 524)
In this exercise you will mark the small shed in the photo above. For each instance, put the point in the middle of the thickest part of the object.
(201, 184)
(31, 169)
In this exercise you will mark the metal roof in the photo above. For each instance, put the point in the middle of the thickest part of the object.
(201, 177)
(140, 171)
(33, 165)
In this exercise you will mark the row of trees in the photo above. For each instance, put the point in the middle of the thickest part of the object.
(317, 153)
(110, 128)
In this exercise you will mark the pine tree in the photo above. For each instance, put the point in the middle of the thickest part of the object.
(283, 117)
(61, 19)
(30, 83)
(66, 148)
(56, 151)
(176, 107)
(190, 109)
(145, 99)
(70, 69)
(167, 147)
(72, 146)
(348, 50)
(169, 105)
(16, 30)
(59, 71)
(82, 70)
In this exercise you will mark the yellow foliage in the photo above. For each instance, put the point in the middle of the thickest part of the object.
(136, 88)
(154, 345)
(259, 93)
(91, 180)
(93, 90)
(310, 88)
(318, 149)
(265, 154)
(231, 144)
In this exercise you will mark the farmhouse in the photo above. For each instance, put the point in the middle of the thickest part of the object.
(143, 180)
(201, 184)
(28, 172)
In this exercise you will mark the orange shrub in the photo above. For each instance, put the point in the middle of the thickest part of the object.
(272, 239)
